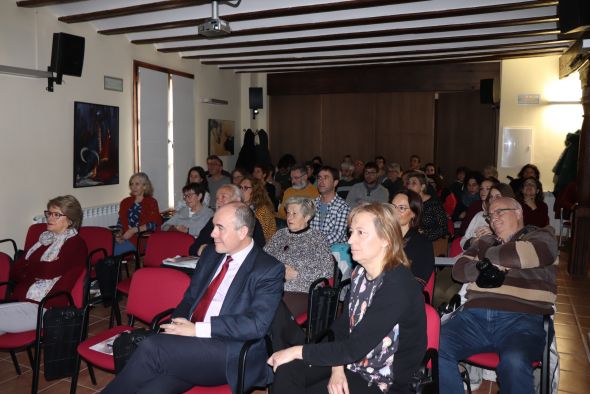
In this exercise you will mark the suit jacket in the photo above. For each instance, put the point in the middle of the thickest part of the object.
(247, 311)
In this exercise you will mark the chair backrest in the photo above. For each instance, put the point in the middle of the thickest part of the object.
(154, 290)
(97, 238)
(5, 262)
(455, 249)
(78, 292)
(432, 337)
(33, 234)
(164, 244)
(321, 308)
(429, 288)
(450, 203)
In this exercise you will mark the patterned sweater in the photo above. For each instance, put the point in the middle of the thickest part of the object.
(529, 286)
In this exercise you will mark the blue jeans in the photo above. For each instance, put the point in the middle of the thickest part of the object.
(518, 338)
(123, 247)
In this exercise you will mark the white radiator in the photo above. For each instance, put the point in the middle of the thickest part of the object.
(102, 215)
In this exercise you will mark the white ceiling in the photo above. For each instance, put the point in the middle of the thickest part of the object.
(288, 35)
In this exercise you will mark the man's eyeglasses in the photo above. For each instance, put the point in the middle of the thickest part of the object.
(244, 187)
(186, 196)
(401, 208)
(56, 215)
(371, 172)
(498, 213)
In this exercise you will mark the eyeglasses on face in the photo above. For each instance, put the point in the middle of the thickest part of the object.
(56, 215)
(186, 196)
(245, 187)
(401, 208)
(370, 172)
(498, 213)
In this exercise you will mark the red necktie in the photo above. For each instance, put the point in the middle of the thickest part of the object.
(201, 309)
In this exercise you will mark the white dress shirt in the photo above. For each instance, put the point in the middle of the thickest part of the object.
(203, 329)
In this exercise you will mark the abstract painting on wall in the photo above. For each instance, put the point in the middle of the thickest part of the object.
(221, 137)
(96, 144)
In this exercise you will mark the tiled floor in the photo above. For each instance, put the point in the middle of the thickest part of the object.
(572, 324)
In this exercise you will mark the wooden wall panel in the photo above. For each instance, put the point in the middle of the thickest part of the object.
(404, 126)
(295, 126)
(348, 127)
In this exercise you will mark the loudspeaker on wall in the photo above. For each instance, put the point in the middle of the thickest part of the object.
(255, 98)
(67, 54)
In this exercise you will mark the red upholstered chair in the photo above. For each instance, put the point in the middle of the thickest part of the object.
(455, 249)
(26, 340)
(5, 265)
(33, 234)
(429, 288)
(428, 373)
(153, 295)
(99, 241)
(490, 360)
(161, 245)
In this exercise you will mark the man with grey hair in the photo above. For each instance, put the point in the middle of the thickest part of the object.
(346, 179)
(300, 186)
(511, 276)
(232, 299)
(394, 182)
(225, 194)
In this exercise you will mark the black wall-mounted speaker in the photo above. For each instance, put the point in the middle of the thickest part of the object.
(67, 54)
(486, 91)
(574, 15)
(255, 98)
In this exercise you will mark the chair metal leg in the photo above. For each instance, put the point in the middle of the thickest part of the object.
(74, 383)
(15, 362)
(30, 355)
(91, 373)
(36, 367)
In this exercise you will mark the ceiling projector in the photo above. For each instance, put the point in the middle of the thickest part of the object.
(214, 27)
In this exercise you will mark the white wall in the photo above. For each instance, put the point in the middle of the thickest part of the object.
(37, 126)
(550, 122)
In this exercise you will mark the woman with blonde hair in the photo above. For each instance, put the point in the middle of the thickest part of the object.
(254, 194)
(380, 338)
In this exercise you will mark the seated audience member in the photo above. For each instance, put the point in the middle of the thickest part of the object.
(434, 178)
(216, 178)
(309, 167)
(346, 179)
(479, 225)
(300, 187)
(303, 250)
(381, 165)
(566, 200)
(51, 265)
(434, 218)
(457, 185)
(408, 211)
(273, 190)
(535, 211)
(283, 174)
(378, 343)
(415, 163)
(331, 216)
(393, 183)
(232, 298)
(225, 194)
(469, 194)
(490, 171)
(359, 170)
(254, 195)
(137, 213)
(527, 171)
(196, 175)
(506, 315)
(237, 175)
(369, 190)
(193, 216)
(477, 205)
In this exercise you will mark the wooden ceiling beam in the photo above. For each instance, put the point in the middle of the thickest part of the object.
(309, 9)
(131, 10)
(43, 3)
(372, 45)
(364, 34)
(561, 43)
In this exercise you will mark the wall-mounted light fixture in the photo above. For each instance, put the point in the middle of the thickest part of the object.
(255, 96)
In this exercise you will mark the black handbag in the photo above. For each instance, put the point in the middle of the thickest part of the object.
(107, 274)
(62, 328)
(126, 343)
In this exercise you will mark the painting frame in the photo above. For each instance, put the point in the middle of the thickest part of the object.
(221, 137)
(96, 145)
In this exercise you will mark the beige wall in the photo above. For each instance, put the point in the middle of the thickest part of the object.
(37, 126)
(550, 122)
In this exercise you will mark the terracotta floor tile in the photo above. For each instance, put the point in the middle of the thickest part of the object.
(583, 311)
(573, 364)
(63, 387)
(22, 384)
(102, 378)
(564, 308)
(564, 318)
(574, 382)
(568, 345)
(7, 370)
(567, 331)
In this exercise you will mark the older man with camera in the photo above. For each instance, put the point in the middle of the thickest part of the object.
(511, 276)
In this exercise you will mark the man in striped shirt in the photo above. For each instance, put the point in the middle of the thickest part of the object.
(507, 319)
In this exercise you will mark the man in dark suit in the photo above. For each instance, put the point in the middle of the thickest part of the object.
(232, 298)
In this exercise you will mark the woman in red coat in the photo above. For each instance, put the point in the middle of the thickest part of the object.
(52, 264)
(137, 213)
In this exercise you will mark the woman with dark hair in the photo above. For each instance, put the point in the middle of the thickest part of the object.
(527, 171)
(254, 194)
(237, 175)
(433, 224)
(534, 210)
(469, 195)
(52, 264)
(197, 175)
(194, 215)
(477, 205)
(138, 212)
(265, 175)
(408, 212)
(378, 344)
